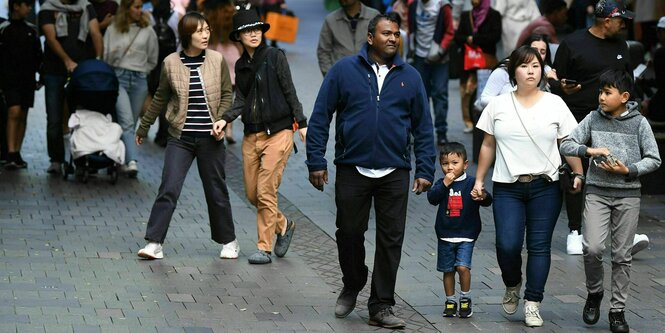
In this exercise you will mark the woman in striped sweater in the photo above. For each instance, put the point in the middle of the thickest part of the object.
(195, 89)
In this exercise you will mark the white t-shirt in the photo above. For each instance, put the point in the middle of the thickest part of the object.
(426, 16)
(547, 120)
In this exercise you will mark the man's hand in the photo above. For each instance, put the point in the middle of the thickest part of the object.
(70, 65)
(421, 185)
(106, 21)
(577, 185)
(599, 151)
(569, 89)
(318, 179)
(218, 129)
(302, 132)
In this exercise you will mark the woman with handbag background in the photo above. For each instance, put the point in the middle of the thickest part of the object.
(266, 98)
(522, 131)
(479, 30)
(130, 46)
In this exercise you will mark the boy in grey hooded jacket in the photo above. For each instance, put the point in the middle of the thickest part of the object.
(621, 145)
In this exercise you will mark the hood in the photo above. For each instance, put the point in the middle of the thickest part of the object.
(632, 107)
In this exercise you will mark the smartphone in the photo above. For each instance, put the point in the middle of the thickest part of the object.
(571, 82)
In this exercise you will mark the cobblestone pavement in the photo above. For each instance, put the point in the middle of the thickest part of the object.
(69, 264)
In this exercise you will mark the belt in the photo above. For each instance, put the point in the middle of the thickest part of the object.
(255, 128)
(530, 178)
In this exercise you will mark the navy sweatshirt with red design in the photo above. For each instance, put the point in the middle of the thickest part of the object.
(458, 215)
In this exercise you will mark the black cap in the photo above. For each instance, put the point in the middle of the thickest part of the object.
(612, 8)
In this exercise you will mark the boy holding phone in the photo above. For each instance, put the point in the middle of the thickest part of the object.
(622, 147)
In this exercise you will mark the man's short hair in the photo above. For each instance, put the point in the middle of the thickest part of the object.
(11, 3)
(392, 17)
(550, 6)
(617, 78)
(452, 148)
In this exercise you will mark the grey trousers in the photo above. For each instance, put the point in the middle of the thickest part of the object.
(619, 216)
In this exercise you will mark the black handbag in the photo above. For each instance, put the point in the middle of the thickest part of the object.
(566, 178)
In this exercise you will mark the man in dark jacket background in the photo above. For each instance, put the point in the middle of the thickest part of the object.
(380, 103)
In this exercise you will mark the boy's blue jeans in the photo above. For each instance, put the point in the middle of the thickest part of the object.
(532, 208)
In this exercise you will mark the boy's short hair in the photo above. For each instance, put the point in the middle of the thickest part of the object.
(452, 148)
(11, 3)
(617, 78)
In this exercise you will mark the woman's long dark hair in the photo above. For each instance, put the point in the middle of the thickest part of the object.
(162, 10)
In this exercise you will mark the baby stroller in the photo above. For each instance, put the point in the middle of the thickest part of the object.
(95, 139)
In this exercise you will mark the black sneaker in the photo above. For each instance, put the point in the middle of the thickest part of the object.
(618, 322)
(346, 302)
(591, 312)
(465, 309)
(386, 318)
(450, 309)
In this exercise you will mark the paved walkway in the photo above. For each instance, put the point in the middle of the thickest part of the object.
(68, 260)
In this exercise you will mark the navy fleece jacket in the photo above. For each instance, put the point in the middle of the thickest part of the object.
(372, 130)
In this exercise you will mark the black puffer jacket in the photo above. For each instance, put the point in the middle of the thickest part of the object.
(265, 95)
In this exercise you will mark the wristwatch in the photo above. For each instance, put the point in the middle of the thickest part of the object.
(580, 176)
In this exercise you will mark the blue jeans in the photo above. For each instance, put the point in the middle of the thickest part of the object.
(451, 255)
(54, 94)
(532, 207)
(131, 96)
(435, 78)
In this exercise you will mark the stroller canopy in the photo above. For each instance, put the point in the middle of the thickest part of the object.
(93, 86)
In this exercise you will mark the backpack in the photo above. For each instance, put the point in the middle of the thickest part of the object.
(166, 38)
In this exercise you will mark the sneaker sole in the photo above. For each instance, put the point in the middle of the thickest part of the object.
(509, 312)
(641, 245)
(534, 325)
(228, 257)
(468, 316)
(376, 323)
(449, 315)
(147, 256)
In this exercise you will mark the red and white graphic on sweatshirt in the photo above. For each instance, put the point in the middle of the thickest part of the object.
(455, 203)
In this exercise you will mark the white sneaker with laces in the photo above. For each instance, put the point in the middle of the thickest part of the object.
(152, 251)
(574, 243)
(640, 242)
(230, 250)
(532, 314)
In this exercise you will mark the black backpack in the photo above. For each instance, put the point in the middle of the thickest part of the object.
(166, 38)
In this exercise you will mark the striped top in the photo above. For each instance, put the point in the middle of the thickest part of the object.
(198, 122)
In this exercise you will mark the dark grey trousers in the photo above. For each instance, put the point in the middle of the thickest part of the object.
(210, 158)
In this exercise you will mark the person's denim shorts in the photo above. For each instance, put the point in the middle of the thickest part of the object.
(451, 255)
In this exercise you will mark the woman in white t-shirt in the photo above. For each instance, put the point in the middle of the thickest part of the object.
(522, 129)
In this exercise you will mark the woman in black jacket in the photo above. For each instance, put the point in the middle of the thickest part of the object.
(266, 98)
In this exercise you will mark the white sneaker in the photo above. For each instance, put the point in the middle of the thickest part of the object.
(511, 299)
(532, 314)
(574, 243)
(152, 251)
(230, 250)
(55, 168)
(131, 169)
(640, 242)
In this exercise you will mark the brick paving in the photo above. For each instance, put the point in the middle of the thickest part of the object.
(68, 261)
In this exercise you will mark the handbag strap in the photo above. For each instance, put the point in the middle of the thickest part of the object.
(128, 46)
(512, 98)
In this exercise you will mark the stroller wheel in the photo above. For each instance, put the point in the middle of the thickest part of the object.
(113, 172)
(67, 170)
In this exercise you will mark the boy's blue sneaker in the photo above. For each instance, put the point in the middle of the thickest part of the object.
(465, 309)
(450, 309)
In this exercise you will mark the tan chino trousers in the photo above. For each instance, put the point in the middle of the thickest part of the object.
(264, 159)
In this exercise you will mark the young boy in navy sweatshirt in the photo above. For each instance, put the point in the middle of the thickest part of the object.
(457, 225)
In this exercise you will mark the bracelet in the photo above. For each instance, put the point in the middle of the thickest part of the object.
(580, 176)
